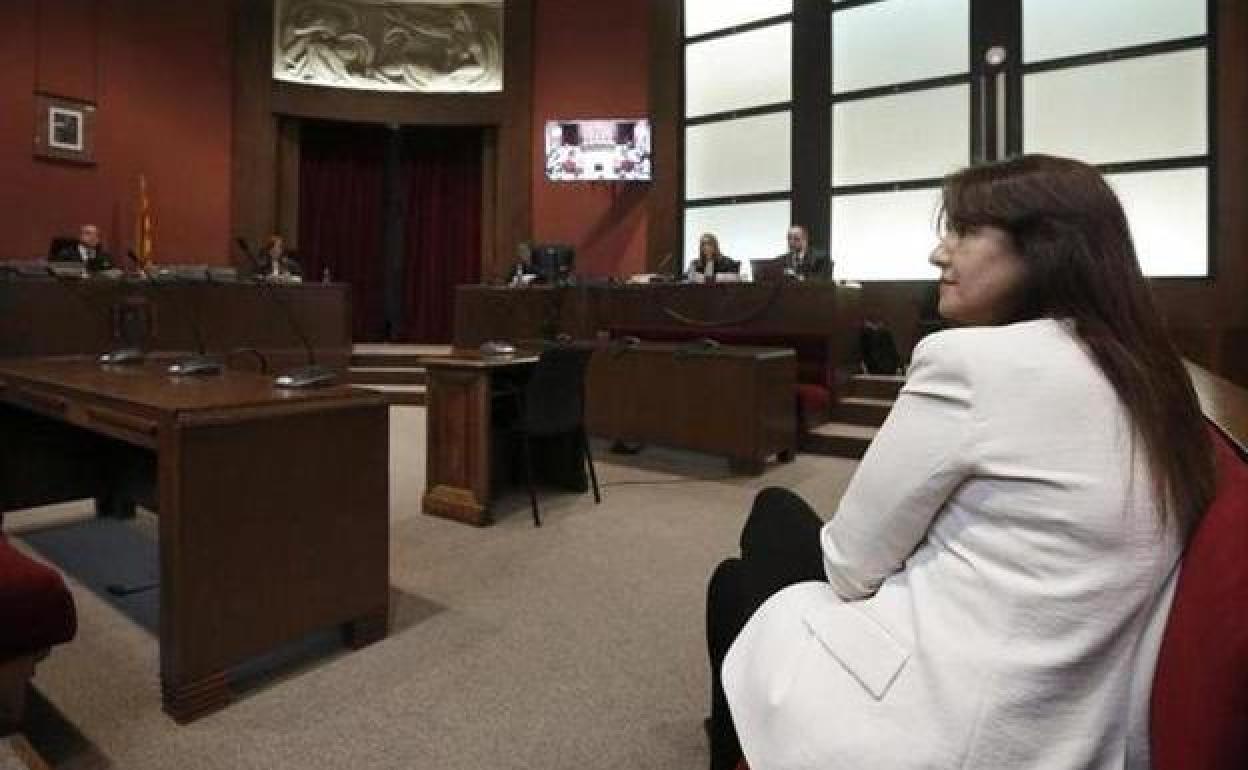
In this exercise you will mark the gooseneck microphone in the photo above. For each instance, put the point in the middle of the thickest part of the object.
(312, 374)
(117, 356)
(200, 364)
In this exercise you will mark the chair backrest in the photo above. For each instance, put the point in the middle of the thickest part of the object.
(62, 244)
(1199, 706)
(554, 398)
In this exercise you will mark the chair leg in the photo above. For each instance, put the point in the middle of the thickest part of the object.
(589, 460)
(528, 478)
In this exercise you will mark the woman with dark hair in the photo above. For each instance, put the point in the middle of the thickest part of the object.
(992, 588)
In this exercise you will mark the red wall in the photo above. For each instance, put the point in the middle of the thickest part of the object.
(159, 73)
(590, 62)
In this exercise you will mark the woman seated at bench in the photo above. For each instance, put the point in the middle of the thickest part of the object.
(711, 261)
(992, 587)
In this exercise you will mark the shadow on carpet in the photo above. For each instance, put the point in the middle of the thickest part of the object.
(118, 560)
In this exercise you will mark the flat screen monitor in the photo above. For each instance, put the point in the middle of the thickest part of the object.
(610, 149)
(553, 261)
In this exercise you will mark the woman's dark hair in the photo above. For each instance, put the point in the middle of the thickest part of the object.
(1080, 263)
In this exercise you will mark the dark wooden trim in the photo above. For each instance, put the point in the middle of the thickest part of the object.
(743, 112)
(1224, 404)
(900, 88)
(1156, 164)
(264, 188)
(254, 154)
(895, 185)
(666, 108)
(514, 222)
(811, 144)
(289, 132)
(1117, 54)
(490, 204)
(714, 34)
(730, 200)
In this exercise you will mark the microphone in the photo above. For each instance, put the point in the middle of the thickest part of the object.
(118, 356)
(310, 375)
(246, 249)
(141, 272)
(201, 364)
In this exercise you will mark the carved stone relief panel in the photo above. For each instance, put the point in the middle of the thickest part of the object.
(422, 46)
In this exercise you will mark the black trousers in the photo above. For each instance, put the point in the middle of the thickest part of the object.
(779, 547)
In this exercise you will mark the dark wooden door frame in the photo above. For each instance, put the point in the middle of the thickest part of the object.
(264, 195)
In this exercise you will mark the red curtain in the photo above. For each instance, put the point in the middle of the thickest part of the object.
(341, 216)
(442, 178)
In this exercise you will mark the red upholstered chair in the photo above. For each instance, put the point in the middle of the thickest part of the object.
(36, 612)
(1199, 707)
(1199, 710)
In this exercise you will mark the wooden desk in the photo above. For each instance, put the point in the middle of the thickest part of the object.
(266, 533)
(40, 316)
(495, 312)
(730, 401)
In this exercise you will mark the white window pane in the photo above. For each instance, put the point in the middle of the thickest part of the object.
(905, 136)
(745, 231)
(738, 157)
(1135, 109)
(1169, 216)
(1056, 28)
(737, 71)
(898, 41)
(703, 16)
(885, 236)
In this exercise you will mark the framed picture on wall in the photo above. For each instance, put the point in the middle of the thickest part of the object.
(64, 129)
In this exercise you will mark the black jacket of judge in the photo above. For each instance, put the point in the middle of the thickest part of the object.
(814, 264)
(94, 258)
(286, 265)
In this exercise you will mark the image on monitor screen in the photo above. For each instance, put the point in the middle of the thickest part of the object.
(611, 149)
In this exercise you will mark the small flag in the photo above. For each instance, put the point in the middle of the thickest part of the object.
(143, 225)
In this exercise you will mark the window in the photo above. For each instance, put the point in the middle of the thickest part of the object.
(918, 88)
(737, 127)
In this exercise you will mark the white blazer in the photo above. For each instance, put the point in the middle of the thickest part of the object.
(997, 580)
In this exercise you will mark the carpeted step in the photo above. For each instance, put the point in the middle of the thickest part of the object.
(386, 375)
(857, 410)
(876, 385)
(399, 395)
(838, 439)
(393, 356)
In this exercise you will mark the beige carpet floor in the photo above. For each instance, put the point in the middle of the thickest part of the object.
(575, 646)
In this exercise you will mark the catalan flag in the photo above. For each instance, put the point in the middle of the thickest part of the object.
(143, 225)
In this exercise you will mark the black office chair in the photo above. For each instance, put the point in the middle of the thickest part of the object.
(552, 403)
(63, 247)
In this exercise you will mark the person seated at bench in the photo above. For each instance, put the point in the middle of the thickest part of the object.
(87, 250)
(276, 262)
(991, 590)
(711, 261)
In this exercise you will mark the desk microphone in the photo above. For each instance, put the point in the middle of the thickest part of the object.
(310, 375)
(201, 364)
(118, 356)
